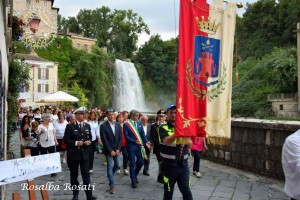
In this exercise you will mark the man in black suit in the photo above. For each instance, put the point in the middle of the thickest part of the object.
(78, 139)
(154, 138)
(111, 136)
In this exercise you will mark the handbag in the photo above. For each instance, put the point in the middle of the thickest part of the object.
(24, 142)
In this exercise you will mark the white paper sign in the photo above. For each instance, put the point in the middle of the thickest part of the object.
(29, 167)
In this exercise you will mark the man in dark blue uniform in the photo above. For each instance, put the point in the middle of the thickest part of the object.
(174, 159)
(161, 118)
(78, 139)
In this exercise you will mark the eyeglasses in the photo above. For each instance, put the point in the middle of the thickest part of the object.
(136, 115)
(161, 115)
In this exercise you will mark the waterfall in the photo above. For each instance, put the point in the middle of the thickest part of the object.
(128, 93)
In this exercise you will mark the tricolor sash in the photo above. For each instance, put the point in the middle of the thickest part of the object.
(137, 135)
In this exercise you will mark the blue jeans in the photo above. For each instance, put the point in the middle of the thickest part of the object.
(113, 165)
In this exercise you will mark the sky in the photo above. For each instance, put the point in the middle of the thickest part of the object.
(161, 16)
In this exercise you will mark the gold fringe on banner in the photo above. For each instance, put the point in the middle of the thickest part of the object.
(218, 140)
(184, 140)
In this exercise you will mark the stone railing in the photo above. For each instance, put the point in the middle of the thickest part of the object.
(255, 145)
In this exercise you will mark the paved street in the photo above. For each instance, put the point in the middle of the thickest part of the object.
(217, 183)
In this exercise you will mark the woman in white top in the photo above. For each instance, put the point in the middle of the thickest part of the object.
(54, 116)
(95, 132)
(60, 127)
(47, 136)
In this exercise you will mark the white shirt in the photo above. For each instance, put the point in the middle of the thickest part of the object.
(54, 118)
(145, 129)
(60, 129)
(47, 135)
(94, 130)
(112, 125)
(291, 165)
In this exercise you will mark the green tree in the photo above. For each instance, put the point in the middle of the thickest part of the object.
(158, 59)
(258, 31)
(73, 26)
(274, 73)
(61, 24)
(126, 27)
(78, 92)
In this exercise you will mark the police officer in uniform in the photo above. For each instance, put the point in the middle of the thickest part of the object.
(174, 159)
(161, 117)
(78, 139)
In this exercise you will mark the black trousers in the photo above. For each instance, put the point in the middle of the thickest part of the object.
(181, 175)
(92, 153)
(125, 157)
(160, 174)
(147, 162)
(45, 150)
(84, 168)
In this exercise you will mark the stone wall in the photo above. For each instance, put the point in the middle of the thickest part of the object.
(255, 145)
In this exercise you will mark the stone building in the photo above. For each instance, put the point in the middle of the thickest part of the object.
(43, 79)
(284, 104)
(81, 42)
(44, 9)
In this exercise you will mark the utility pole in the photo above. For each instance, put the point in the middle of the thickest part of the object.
(298, 58)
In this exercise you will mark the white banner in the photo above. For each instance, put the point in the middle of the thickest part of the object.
(29, 167)
(218, 125)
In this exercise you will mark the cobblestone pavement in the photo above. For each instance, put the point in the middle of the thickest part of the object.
(218, 182)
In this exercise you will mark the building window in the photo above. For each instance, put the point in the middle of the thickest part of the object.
(45, 3)
(43, 73)
(280, 107)
(78, 46)
(28, 2)
(43, 88)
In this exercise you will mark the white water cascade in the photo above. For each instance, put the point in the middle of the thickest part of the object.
(128, 93)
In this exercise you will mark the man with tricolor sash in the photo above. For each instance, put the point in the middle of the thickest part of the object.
(135, 142)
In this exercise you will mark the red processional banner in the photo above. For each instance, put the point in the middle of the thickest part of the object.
(206, 35)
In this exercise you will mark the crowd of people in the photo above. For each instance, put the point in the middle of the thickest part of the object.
(122, 136)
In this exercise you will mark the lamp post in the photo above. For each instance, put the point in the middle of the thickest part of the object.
(298, 55)
(32, 83)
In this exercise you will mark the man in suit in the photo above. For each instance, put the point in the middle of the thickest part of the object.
(147, 129)
(111, 136)
(78, 139)
(135, 142)
(161, 119)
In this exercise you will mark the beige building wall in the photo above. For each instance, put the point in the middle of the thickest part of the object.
(43, 81)
(48, 17)
(83, 43)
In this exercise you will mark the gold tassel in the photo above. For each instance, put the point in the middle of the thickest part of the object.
(236, 76)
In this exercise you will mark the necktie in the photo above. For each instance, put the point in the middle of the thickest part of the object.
(135, 124)
(80, 127)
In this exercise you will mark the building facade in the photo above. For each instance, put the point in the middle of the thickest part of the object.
(284, 104)
(5, 56)
(81, 42)
(43, 79)
(44, 10)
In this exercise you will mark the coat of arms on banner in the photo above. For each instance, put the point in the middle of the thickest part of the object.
(206, 70)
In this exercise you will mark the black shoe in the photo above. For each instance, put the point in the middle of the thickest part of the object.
(91, 198)
(75, 197)
(133, 185)
(53, 175)
(137, 181)
(146, 173)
